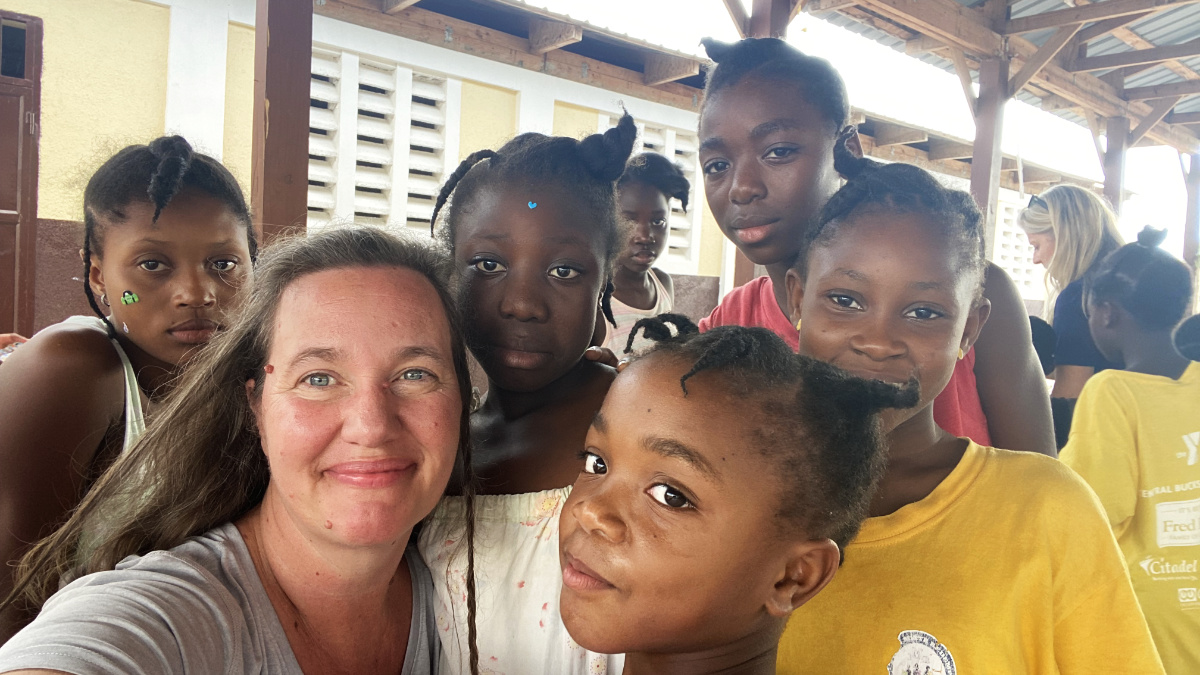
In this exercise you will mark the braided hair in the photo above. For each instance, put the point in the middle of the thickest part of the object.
(153, 173)
(1154, 287)
(660, 173)
(818, 424)
(773, 59)
(587, 169)
(874, 187)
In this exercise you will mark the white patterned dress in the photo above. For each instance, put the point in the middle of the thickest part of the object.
(517, 581)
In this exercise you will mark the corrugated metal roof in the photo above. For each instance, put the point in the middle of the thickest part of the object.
(1167, 27)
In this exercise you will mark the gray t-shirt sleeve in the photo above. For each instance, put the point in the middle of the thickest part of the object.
(162, 614)
(424, 645)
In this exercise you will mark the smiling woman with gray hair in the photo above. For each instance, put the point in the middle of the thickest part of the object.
(263, 522)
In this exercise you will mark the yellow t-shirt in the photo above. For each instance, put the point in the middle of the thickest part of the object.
(1134, 439)
(1006, 567)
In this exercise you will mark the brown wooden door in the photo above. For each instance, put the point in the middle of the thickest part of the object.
(20, 75)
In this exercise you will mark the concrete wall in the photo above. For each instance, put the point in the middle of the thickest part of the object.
(489, 117)
(575, 121)
(104, 86)
(239, 103)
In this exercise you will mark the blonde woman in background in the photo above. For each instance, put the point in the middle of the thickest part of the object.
(1070, 229)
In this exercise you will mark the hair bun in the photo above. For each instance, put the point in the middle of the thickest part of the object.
(605, 154)
(1150, 237)
(174, 156)
(846, 163)
(717, 50)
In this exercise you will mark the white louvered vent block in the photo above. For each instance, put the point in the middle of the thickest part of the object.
(381, 139)
(683, 148)
(1012, 250)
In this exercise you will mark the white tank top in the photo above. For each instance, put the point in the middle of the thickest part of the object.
(135, 421)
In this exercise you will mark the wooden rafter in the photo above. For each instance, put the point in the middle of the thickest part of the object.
(1102, 28)
(663, 68)
(395, 6)
(1187, 88)
(1136, 57)
(1184, 118)
(964, 78)
(738, 14)
(1043, 55)
(819, 6)
(1086, 13)
(1131, 38)
(946, 20)
(1161, 108)
(887, 133)
(546, 35)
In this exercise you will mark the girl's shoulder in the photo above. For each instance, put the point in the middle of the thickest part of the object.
(1032, 480)
(77, 343)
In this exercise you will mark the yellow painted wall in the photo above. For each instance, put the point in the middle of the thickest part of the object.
(239, 104)
(104, 86)
(712, 242)
(489, 117)
(574, 121)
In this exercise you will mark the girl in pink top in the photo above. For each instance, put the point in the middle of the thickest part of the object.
(768, 127)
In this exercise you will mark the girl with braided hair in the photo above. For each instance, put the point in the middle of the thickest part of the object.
(640, 290)
(168, 242)
(533, 231)
(1135, 437)
(721, 480)
(972, 559)
(772, 121)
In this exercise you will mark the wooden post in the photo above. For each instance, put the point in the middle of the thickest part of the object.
(1114, 160)
(282, 73)
(1191, 225)
(986, 154)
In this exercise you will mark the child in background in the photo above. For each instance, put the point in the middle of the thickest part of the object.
(1187, 338)
(683, 545)
(533, 231)
(641, 290)
(167, 243)
(770, 121)
(973, 559)
(1136, 433)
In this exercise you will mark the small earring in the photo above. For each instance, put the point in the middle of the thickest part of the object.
(960, 354)
(797, 326)
(125, 327)
(104, 300)
(476, 399)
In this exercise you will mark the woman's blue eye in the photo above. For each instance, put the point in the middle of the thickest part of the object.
(414, 375)
(563, 272)
(593, 463)
(488, 266)
(150, 265)
(669, 496)
(224, 265)
(319, 380)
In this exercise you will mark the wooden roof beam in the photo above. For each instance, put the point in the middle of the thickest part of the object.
(945, 20)
(1136, 57)
(1161, 108)
(663, 68)
(887, 134)
(1083, 14)
(1040, 58)
(944, 148)
(819, 6)
(1185, 88)
(738, 14)
(396, 6)
(1184, 118)
(546, 35)
(1102, 28)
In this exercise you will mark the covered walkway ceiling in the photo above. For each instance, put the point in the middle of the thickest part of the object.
(1084, 59)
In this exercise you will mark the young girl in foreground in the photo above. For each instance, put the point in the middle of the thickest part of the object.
(1135, 437)
(167, 243)
(771, 119)
(721, 479)
(973, 559)
(533, 232)
(640, 290)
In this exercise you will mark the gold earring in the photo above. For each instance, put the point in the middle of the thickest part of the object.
(960, 354)
(798, 326)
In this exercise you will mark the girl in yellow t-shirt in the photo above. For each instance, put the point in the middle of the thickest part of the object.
(973, 559)
(1135, 435)
(721, 478)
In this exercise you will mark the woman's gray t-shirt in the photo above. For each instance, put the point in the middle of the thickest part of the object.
(197, 608)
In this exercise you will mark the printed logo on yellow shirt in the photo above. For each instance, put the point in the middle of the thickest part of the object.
(1159, 568)
(1188, 599)
(1192, 442)
(1178, 523)
(921, 654)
